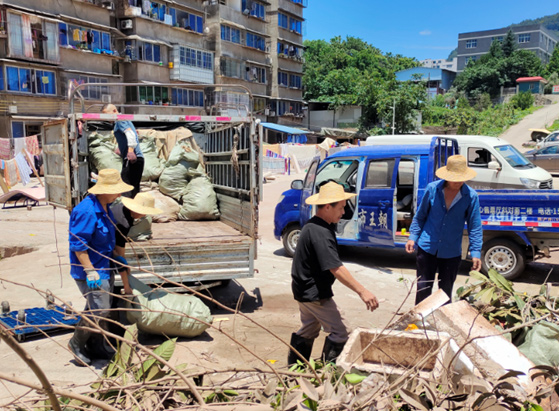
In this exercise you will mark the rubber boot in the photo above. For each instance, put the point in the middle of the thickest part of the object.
(303, 345)
(98, 348)
(77, 345)
(331, 350)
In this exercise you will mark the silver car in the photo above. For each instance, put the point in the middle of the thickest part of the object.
(551, 140)
(546, 158)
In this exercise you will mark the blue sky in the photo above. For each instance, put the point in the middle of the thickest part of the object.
(427, 29)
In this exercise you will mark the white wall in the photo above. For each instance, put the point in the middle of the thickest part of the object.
(325, 118)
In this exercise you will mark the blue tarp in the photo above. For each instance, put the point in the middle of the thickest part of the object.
(294, 135)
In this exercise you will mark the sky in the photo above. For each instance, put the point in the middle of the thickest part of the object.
(427, 29)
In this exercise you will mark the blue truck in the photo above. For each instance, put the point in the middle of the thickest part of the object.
(518, 225)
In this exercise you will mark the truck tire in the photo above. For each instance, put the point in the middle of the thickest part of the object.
(503, 255)
(290, 237)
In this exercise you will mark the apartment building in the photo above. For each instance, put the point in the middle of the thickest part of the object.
(47, 48)
(451, 65)
(535, 37)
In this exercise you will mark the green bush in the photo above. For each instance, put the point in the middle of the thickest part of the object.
(523, 100)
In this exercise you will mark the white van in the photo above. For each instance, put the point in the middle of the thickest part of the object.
(498, 164)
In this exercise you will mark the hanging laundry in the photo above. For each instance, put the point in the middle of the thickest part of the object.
(24, 169)
(76, 35)
(146, 6)
(5, 149)
(32, 145)
(10, 172)
(19, 144)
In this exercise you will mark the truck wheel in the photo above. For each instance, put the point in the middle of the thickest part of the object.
(505, 256)
(290, 237)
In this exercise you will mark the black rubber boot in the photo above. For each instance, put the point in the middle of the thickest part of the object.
(331, 350)
(77, 345)
(303, 345)
(98, 348)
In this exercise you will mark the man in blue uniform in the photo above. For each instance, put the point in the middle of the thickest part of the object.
(438, 226)
(129, 149)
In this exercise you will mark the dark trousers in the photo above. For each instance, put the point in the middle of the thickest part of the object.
(427, 266)
(132, 174)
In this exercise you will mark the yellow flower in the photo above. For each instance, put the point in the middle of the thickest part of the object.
(411, 327)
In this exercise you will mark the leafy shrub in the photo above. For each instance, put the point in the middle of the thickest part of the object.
(523, 100)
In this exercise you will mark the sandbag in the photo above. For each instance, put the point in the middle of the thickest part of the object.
(541, 344)
(102, 152)
(172, 315)
(169, 206)
(199, 201)
(141, 229)
(153, 165)
(181, 166)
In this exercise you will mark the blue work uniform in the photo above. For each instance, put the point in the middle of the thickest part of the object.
(91, 228)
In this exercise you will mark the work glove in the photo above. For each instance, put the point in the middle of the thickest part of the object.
(121, 260)
(131, 156)
(93, 280)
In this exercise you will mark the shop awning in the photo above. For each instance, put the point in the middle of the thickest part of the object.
(283, 129)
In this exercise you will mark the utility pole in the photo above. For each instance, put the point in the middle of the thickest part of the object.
(394, 117)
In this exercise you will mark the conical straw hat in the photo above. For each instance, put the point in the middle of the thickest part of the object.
(329, 193)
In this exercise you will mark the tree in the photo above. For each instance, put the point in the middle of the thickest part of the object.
(509, 44)
(496, 50)
(553, 65)
(351, 71)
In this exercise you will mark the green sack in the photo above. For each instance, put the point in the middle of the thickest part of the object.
(141, 230)
(541, 345)
(173, 315)
(174, 180)
(153, 165)
(199, 201)
(183, 152)
(102, 152)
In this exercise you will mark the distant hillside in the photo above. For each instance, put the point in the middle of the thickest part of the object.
(549, 22)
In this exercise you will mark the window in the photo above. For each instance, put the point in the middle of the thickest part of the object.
(283, 21)
(295, 25)
(149, 52)
(153, 9)
(471, 59)
(549, 150)
(498, 38)
(153, 94)
(336, 170)
(184, 97)
(282, 79)
(513, 156)
(471, 44)
(256, 74)
(479, 157)
(295, 81)
(230, 34)
(289, 50)
(26, 80)
(524, 38)
(92, 91)
(257, 10)
(18, 129)
(196, 58)
(32, 37)
(256, 42)
(81, 38)
(379, 173)
(259, 105)
(231, 68)
(188, 21)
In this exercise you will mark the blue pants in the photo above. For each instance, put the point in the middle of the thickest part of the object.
(427, 266)
(98, 302)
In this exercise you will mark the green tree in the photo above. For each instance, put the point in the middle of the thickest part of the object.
(523, 100)
(553, 65)
(509, 44)
(496, 50)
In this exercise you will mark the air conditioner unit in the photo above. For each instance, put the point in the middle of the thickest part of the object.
(126, 24)
(106, 98)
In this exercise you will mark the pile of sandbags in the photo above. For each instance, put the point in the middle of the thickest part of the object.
(173, 160)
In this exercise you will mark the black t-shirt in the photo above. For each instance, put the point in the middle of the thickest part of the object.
(316, 254)
(123, 221)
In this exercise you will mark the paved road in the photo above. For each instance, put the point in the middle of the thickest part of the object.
(519, 134)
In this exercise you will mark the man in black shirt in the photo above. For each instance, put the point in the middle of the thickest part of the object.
(125, 213)
(316, 265)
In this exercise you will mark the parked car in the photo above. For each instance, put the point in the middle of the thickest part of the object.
(550, 140)
(546, 158)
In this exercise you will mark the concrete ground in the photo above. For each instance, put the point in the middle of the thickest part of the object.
(266, 298)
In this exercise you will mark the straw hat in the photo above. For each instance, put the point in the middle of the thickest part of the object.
(143, 203)
(109, 182)
(456, 170)
(329, 193)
